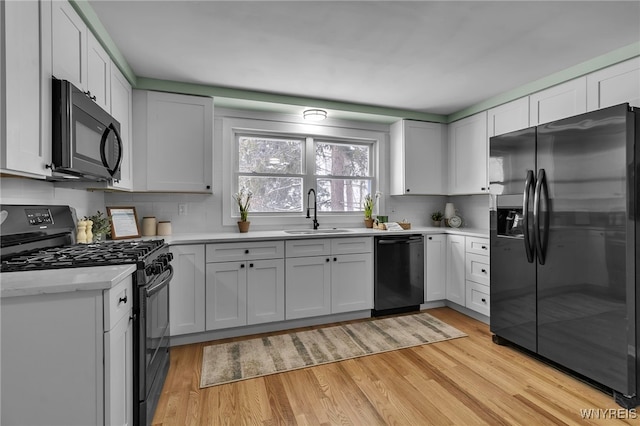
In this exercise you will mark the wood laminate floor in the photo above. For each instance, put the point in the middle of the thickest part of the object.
(466, 381)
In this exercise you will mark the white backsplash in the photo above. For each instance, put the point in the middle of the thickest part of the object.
(30, 191)
(414, 208)
(473, 209)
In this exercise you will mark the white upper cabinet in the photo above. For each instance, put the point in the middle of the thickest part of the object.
(557, 102)
(614, 85)
(468, 155)
(69, 41)
(508, 117)
(173, 142)
(98, 73)
(417, 152)
(78, 56)
(25, 122)
(121, 110)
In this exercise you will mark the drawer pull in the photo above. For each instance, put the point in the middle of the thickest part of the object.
(122, 299)
(484, 271)
(328, 260)
(484, 300)
(251, 265)
(484, 247)
(241, 265)
(246, 251)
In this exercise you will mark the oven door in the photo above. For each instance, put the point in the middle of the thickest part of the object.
(154, 339)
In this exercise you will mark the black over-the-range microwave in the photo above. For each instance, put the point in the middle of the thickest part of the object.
(86, 139)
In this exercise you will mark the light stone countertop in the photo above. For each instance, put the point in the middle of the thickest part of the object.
(227, 237)
(28, 283)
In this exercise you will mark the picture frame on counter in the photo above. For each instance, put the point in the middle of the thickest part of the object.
(124, 222)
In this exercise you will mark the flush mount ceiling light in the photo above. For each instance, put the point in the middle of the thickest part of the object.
(314, 114)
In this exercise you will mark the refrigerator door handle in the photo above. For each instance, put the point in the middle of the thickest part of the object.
(541, 185)
(528, 242)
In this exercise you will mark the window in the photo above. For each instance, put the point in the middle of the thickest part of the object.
(280, 170)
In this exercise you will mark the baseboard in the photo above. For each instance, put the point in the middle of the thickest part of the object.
(206, 336)
(468, 312)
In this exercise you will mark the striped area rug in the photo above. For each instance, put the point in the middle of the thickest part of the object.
(234, 361)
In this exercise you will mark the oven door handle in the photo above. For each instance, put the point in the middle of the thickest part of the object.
(157, 287)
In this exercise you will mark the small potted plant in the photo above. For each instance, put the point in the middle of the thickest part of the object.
(369, 203)
(436, 217)
(101, 225)
(243, 199)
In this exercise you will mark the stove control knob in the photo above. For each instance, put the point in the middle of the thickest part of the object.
(154, 269)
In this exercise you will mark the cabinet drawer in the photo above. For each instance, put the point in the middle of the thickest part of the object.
(478, 298)
(117, 302)
(351, 245)
(311, 247)
(477, 268)
(478, 245)
(225, 252)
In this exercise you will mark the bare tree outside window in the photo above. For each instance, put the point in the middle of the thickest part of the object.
(274, 170)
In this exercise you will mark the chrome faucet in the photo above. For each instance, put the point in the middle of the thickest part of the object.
(315, 208)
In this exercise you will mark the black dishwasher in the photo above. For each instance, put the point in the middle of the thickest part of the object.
(399, 274)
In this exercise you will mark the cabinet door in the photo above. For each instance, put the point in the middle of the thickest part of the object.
(509, 117)
(226, 295)
(351, 282)
(614, 85)
(417, 152)
(179, 143)
(24, 148)
(98, 72)
(557, 102)
(265, 291)
(187, 290)
(121, 111)
(308, 286)
(118, 373)
(468, 155)
(69, 42)
(436, 258)
(456, 269)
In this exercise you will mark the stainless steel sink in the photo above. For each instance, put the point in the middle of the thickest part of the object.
(316, 231)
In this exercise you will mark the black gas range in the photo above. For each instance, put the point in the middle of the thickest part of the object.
(35, 237)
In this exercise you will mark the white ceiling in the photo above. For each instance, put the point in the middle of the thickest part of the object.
(425, 56)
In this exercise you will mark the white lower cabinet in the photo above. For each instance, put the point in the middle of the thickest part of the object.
(226, 295)
(265, 291)
(351, 282)
(477, 275)
(325, 276)
(247, 287)
(308, 286)
(435, 268)
(456, 269)
(187, 290)
(67, 358)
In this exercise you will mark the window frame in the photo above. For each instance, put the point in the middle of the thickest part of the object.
(231, 126)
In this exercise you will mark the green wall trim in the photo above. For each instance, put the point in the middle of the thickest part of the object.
(225, 92)
(595, 64)
(94, 24)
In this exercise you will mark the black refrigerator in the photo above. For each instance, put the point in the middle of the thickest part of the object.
(564, 245)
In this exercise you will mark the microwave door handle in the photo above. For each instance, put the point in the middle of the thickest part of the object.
(120, 149)
(103, 149)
